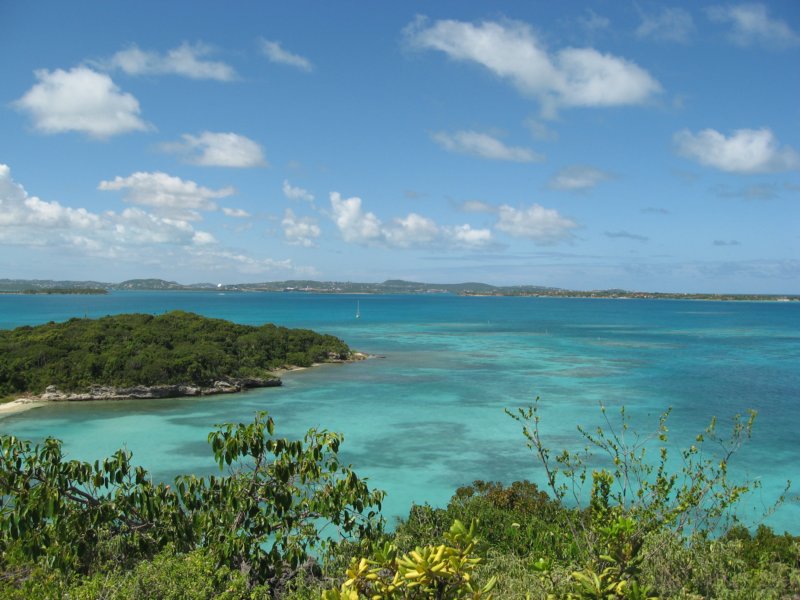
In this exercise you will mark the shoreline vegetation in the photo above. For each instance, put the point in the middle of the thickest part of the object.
(287, 519)
(138, 356)
(26, 286)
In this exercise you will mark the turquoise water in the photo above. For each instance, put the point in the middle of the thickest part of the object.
(428, 416)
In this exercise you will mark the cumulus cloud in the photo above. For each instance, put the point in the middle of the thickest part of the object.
(80, 100)
(296, 193)
(168, 195)
(413, 230)
(133, 235)
(186, 60)
(466, 235)
(300, 231)
(211, 149)
(753, 25)
(671, 25)
(511, 50)
(354, 224)
(28, 220)
(275, 53)
(542, 225)
(483, 145)
(577, 178)
(746, 151)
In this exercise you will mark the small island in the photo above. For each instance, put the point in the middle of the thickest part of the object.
(146, 356)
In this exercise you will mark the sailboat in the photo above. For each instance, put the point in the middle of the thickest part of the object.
(358, 309)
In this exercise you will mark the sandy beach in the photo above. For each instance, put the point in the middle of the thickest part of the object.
(21, 404)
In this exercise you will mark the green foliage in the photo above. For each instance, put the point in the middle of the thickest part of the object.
(66, 513)
(287, 519)
(139, 349)
(262, 519)
(700, 497)
(519, 518)
(636, 500)
(444, 572)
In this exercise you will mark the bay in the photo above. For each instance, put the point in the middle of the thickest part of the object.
(427, 415)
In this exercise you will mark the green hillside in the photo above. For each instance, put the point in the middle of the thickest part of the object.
(139, 349)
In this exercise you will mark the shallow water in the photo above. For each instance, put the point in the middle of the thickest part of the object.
(429, 416)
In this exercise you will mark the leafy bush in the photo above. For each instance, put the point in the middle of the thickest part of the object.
(262, 519)
(444, 572)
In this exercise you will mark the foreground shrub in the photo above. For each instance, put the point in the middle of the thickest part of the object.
(443, 572)
(263, 519)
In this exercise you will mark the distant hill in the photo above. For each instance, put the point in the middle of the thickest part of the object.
(390, 286)
(20, 285)
(147, 284)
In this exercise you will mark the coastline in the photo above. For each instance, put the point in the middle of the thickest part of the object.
(110, 393)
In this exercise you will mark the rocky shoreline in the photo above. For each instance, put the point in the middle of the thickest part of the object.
(144, 392)
(138, 392)
(228, 386)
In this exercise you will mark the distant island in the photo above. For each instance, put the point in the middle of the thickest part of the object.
(392, 286)
(146, 356)
(74, 291)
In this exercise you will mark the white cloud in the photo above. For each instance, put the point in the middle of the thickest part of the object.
(185, 60)
(511, 50)
(465, 235)
(577, 178)
(202, 238)
(211, 149)
(671, 25)
(80, 100)
(237, 213)
(746, 151)
(542, 225)
(752, 24)
(301, 231)
(20, 212)
(30, 221)
(483, 145)
(296, 193)
(274, 52)
(354, 224)
(133, 236)
(168, 195)
(412, 230)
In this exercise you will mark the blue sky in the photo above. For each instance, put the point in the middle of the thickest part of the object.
(607, 144)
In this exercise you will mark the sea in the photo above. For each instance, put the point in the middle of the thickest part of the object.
(426, 414)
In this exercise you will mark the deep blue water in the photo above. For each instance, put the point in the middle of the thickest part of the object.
(428, 417)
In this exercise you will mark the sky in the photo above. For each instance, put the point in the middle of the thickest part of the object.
(583, 145)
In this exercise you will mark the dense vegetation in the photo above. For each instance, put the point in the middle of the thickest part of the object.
(104, 530)
(140, 349)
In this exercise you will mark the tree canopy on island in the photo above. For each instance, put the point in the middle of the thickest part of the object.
(140, 349)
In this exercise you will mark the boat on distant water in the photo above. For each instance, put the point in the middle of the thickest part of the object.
(358, 309)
